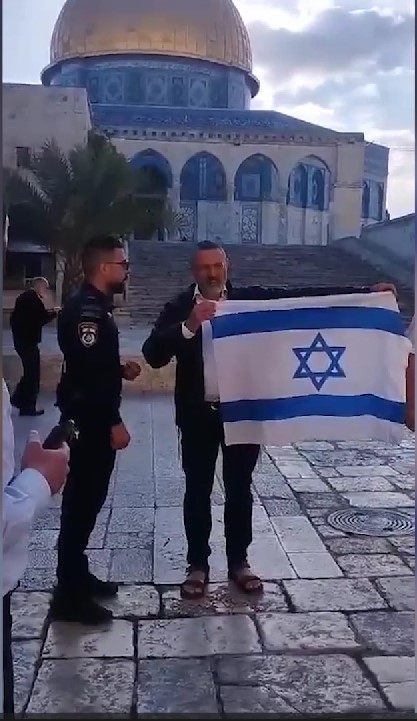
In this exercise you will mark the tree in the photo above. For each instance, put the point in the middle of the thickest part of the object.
(72, 197)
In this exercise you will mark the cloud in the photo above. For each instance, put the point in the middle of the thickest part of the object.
(348, 67)
(334, 41)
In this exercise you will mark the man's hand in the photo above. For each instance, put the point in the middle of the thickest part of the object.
(131, 370)
(120, 437)
(201, 312)
(51, 464)
(384, 288)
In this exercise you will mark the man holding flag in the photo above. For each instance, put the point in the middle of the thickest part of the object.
(178, 333)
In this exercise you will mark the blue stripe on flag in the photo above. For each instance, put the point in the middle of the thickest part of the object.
(280, 409)
(269, 321)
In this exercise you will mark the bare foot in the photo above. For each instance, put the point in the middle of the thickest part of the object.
(195, 584)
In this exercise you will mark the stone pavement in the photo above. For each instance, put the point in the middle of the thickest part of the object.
(333, 633)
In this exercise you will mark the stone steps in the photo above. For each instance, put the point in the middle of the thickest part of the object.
(161, 270)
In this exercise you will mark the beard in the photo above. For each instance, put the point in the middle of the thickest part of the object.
(117, 288)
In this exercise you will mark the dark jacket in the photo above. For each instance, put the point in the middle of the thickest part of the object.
(91, 383)
(27, 319)
(167, 341)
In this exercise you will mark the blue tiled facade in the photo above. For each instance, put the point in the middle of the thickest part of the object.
(152, 82)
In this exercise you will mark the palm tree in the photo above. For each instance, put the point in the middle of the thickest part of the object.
(72, 197)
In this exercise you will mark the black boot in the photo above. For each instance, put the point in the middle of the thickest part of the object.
(101, 589)
(77, 607)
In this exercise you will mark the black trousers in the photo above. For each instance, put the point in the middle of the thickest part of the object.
(201, 437)
(27, 390)
(91, 466)
(8, 678)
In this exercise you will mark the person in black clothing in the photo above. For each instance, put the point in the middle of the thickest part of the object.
(26, 321)
(89, 392)
(177, 333)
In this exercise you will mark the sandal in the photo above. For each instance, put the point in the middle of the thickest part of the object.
(245, 580)
(193, 588)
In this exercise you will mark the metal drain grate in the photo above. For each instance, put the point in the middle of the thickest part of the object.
(367, 522)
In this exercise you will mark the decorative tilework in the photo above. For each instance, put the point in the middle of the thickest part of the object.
(189, 221)
(210, 119)
(250, 225)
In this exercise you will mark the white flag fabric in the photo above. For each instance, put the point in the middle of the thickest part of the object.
(318, 368)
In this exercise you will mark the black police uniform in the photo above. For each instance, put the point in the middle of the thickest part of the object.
(90, 393)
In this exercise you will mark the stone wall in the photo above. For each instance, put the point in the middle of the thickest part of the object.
(33, 114)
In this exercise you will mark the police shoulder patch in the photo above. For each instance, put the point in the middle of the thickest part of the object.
(88, 334)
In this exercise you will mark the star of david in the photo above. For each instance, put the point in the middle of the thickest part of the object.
(319, 377)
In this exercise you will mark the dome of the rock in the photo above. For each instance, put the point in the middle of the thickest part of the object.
(210, 30)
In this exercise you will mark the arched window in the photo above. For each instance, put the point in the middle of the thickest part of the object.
(203, 178)
(298, 186)
(152, 159)
(257, 179)
(318, 189)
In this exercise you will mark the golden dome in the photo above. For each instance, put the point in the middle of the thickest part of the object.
(210, 30)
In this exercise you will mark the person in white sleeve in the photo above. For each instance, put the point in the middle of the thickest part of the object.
(410, 380)
(43, 473)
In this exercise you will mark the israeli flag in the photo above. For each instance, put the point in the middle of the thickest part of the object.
(322, 368)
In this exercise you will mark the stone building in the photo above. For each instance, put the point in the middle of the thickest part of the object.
(171, 82)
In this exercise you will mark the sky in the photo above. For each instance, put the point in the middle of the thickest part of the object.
(344, 64)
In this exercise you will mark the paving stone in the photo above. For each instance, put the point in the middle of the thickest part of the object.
(361, 483)
(49, 519)
(176, 686)
(334, 594)
(377, 564)
(359, 545)
(404, 544)
(298, 469)
(314, 565)
(401, 695)
(126, 520)
(268, 558)
(42, 558)
(296, 534)
(282, 507)
(321, 684)
(135, 602)
(84, 686)
(25, 657)
(328, 500)
(308, 485)
(369, 499)
(224, 598)
(97, 538)
(253, 700)
(29, 611)
(273, 486)
(99, 562)
(399, 592)
(38, 579)
(367, 471)
(129, 540)
(314, 446)
(386, 632)
(74, 641)
(327, 472)
(206, 636)
(392, 669)
(306, 631)
(134, 500)
(43, 539)
(132, 565)
(406, 483)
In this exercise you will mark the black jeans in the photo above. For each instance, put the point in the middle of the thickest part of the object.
(91, 466)
(8, 677)
(201, 437)
(27, 390)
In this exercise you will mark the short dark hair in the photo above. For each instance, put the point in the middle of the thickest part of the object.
(208, 245)
(95, 249)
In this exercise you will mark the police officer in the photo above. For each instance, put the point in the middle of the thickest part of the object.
(90, 393)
